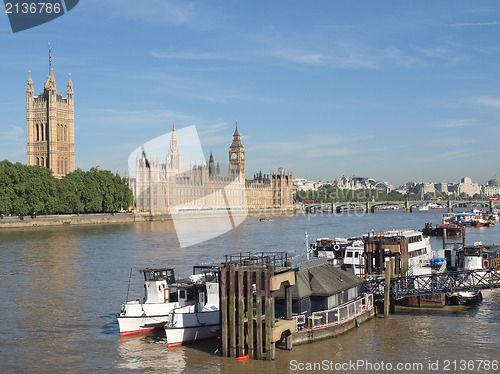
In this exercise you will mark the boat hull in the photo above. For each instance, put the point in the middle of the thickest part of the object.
(465, 298)
(309, 335)
(130, 325)
(136, 317)
(186, 335)
(184, 328)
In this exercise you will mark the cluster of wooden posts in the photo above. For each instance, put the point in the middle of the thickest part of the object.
(247, 310)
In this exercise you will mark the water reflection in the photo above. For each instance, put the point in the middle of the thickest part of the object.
(60, 288)
(47, 296)
(149, 352)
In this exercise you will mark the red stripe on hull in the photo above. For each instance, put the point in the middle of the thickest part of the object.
(170, 345)
(125, 333)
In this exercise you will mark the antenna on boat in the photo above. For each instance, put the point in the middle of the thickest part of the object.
(306, 242)
(128, 289)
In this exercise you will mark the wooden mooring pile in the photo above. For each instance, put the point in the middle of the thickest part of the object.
(247, 310)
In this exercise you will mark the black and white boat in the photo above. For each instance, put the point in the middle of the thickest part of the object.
(196, 321)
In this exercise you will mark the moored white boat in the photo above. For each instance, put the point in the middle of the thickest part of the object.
(349, 254)
(198, 321)
(162, 294)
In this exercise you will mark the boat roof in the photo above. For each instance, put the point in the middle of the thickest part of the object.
(155, 269)
(321, 280)
(403, 232)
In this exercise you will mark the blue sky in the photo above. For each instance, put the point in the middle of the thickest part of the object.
(394, 90)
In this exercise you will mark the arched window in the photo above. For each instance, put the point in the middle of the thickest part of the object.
(37, 133)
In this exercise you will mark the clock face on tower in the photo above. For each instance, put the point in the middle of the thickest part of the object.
(242, 156)
(234, 156)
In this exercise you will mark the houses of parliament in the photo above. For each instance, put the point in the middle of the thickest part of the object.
(166, 187)
(50, 126)
(157, 186)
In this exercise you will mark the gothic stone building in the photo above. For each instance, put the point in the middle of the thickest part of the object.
(50, 121)
(205, 187)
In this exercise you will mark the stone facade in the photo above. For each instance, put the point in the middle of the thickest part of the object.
(207, 186)
(50, 127)
(274, 190)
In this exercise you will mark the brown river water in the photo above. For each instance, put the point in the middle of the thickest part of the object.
(61, 288)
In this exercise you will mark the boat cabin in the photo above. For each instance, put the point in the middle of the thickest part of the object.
(158, 285)
(331, 249)
(409, 248)
(478, 256)
(320, 287)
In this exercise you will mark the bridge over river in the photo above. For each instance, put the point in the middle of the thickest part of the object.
(438, 283)
(371, 206)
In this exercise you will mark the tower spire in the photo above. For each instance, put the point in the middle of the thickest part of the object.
(50, 61)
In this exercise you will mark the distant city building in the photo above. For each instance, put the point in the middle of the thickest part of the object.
(166, 187)
(468, 188)
(442, 187)
(50, 127)
(358, 183)
(301, 184)
(465, 187)
(495, 182)
(493, 187)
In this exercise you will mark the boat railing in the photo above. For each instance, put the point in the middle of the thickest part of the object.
(300, 321)
(337, 315)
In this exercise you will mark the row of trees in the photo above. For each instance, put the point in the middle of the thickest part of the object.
(329, 194)
(27, 190)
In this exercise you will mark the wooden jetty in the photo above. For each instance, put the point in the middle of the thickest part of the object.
(248, 282)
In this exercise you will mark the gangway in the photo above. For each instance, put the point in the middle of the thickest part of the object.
(438, 283)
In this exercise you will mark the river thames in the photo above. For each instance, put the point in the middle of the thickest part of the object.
(61, 288)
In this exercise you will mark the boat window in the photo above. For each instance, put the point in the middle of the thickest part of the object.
(160, 275)
(182, 294)
(349, 254)
(173, 297)
(356, 254)
(485, 255)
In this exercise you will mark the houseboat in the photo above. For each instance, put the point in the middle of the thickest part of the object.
(326, 301)
(474, 218)
(477, 256)
(452, 229)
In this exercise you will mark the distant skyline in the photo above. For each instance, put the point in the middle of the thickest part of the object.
(396, 91)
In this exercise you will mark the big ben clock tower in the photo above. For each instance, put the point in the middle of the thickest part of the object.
(237, 155)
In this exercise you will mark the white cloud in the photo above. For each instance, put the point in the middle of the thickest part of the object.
(456, 123)
(493, 102)
(476, 24)
(300, 57)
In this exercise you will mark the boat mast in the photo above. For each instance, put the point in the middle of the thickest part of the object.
(306, 242)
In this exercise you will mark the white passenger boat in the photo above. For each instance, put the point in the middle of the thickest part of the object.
(354, 261)
(162, 294)
(198, 321)
(349, 254)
